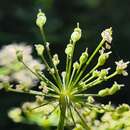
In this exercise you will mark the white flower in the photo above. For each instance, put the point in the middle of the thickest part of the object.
(121, 66)
(8, 53)
(107, 35)
(17, 72)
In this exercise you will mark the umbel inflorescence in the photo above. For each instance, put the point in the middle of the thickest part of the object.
(67, 91)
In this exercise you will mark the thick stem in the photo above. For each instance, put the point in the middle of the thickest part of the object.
(62, 113)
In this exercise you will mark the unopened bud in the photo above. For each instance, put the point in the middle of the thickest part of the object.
(115, 87)
(55, 60)
(76, 35)
(96, 73)
(90, 99)
(83, 57)
(19, 55)
(69, 50)
(41, 19)
(39, 49)
(104, 92)
(76, 65)
(103, 73)
(102, 58)
(123, 108)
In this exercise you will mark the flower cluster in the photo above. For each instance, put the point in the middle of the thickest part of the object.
(67, 91)
(111, 118)
(12, 70)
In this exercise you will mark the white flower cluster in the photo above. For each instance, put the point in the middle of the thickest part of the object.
(16, 71)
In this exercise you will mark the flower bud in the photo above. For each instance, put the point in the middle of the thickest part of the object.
(76, 35)
(107, 35)
(104, 92)
(83, 57)
(55, 60)
(115, 87)
(40, 49)
(102, 58)
(123, 108)
(103, 73)
(96, 73)
(76, 65)
(19, 55)
(41, 19)
(69, 50)
(90, 99)
(52, 71)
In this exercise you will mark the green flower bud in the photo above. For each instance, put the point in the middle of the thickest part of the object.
(90, 99)
(55, 60)
(40, 49)
(19, 55)
(104, 92)
(41, 19)
(76, 65)
(52, 71)
(116, 87)
(76, 35)
(123, 108)
(83, 57)
(69, 50)
(103, 73)
(102, 58)
(96, 73)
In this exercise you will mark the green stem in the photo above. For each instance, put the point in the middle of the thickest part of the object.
(32, 92)
(50, 58)
(41, 77)
(63, 104)
(82, 119)
(86, 76)
(96, 82)
(70, 65)
(88, 62)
